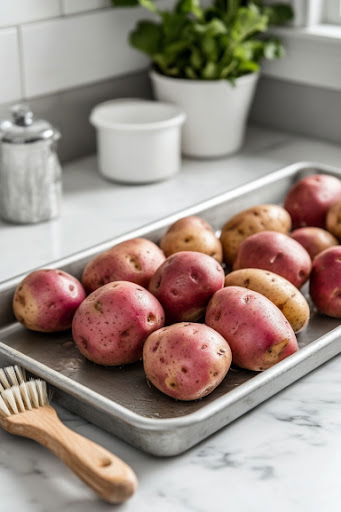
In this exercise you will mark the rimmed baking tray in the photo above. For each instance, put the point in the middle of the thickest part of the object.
(119, 399)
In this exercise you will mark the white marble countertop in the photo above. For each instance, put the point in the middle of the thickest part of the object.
(285, 455)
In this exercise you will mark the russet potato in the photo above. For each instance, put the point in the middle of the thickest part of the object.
(334, 219)
(266, 217)
(280, 291)
(191, 234)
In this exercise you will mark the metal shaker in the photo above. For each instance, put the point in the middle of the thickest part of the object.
(30, 172)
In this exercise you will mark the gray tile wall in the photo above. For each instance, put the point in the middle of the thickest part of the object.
(69, 110)
(311, 111)
(298, 108)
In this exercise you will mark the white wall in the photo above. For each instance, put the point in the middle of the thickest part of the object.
(48, 46)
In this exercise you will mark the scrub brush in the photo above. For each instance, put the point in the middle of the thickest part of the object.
(25, 411)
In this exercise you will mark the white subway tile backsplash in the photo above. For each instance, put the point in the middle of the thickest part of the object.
(10, 84)
(71, 51)
(14, 12)
(75, 6)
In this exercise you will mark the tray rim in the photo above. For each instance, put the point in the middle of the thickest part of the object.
(80, 391)
(160, 424)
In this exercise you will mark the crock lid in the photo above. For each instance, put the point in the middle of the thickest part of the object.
(23, 128)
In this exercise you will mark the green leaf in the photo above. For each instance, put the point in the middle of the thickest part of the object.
(222, 41)
(173, 49)
(189, 7)
(279, 14)
(162, 62)
(228, 7)
(149, 5)
(273, 49)
(227, 70)
(190, 73)
(248, 66)
(146, 37)
(196, 59)
(209, 71)
(173, 25)
(213, 28)
(249, 50)
(249, 21)
(209, 48)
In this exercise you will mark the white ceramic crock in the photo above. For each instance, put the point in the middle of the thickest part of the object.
(216, 111)
(138, 141)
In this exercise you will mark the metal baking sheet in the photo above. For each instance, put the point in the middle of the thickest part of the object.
(119, 399)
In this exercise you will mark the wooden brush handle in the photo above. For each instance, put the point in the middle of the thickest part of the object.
(106, 474)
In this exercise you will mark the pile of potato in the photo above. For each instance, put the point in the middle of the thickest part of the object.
(197, 303)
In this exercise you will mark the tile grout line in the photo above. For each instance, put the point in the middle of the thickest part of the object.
(61, 8)
(21, 61)
(72, 88)
(62, 14)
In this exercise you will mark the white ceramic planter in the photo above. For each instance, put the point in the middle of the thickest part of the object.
(138, 141)
(216, 111)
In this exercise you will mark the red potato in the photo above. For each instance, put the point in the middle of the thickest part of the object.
(186, 361)
(314, 240)
(134, 260)
(276, 252)
(47, 299)
(310, 198)
(325, 282)
(112, 324)
(257, 332)
(184, 284)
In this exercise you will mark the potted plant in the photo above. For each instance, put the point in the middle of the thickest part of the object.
(207, 60)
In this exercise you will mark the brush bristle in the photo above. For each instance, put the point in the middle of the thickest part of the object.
(11, 376)
(23, 397)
